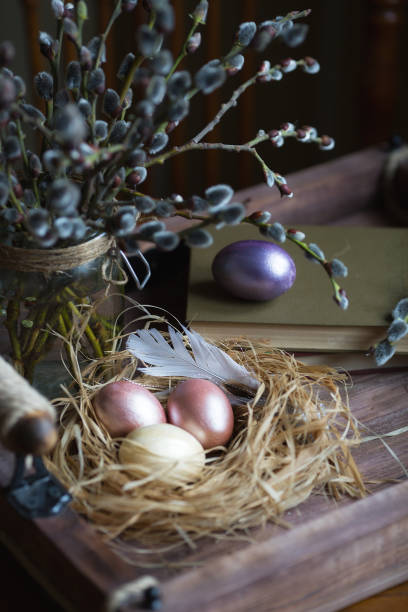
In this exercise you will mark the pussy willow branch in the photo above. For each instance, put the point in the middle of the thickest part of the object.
(16, 108)
(205, 146)
(323, 262)
(239, 48)
(129, 78)
(183, 51)
(234, 98)
(13, 198)
(56, 64)
(111, 167)
(11, 324)
(135, 65)
(21, 137)
(115, 14)
(235, 49)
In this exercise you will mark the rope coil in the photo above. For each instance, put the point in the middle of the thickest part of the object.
(21, 403)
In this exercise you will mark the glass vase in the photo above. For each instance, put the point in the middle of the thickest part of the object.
(49, 317)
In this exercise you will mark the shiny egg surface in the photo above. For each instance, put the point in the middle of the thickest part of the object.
(124, 405)
(203, 409)
(170, 451)
(254, 270)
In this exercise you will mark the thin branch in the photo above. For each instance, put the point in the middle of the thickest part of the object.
(115, 14)
(183, 51)
(234, 99)
(135, 65)
(34, 122)
(205, 146)
(309, 252)
(56, 63)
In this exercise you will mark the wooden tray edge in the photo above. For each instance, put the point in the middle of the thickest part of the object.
(328, 572)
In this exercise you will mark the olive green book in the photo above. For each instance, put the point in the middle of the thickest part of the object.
(306, 318)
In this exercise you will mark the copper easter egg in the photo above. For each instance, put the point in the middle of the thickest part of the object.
(124, 405)
(203, 409)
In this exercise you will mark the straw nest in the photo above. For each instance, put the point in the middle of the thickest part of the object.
(290, 440)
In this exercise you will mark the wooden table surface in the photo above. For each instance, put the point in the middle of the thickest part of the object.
(19, 590)
(23, 593)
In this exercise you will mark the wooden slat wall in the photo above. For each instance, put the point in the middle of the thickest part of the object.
(31, 25)
(380, 75)
(212, 102)
(178, 164)
(384, 57)
(105, 11)
(247, 102)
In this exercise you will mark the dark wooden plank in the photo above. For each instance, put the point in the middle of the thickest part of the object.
(61, 551)
(325, 193)
(394, 599)
(321, 566)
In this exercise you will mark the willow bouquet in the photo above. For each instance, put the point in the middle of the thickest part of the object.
(96, 145)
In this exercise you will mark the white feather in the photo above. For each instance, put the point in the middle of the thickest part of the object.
(204, 361)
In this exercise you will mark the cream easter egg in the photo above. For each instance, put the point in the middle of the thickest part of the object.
(172, 453)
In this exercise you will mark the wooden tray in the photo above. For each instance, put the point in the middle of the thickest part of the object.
(334, 554)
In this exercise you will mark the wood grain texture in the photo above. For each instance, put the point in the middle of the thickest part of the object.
(394, 600)
(330, 562)
(60, 552)
(105, 9)
(326, 193)
(31, 25)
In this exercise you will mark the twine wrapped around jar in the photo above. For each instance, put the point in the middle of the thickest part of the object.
(54, 260)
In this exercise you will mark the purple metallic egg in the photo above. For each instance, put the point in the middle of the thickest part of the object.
(254, 270)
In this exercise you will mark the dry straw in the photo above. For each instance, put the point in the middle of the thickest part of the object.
(293, 438)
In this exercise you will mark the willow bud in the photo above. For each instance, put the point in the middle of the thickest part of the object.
(200, 12)
(44, 84)
(7, 53)
(193, 43)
